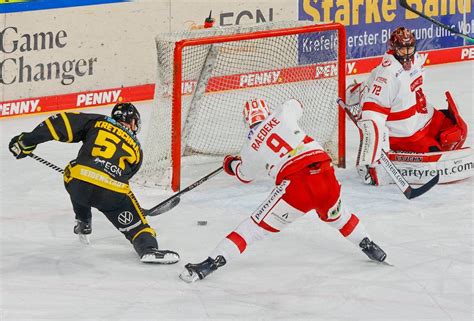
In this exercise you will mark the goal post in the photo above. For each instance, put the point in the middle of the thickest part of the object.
(205, 78)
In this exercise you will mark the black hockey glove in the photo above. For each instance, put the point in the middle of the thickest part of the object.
(18, 148)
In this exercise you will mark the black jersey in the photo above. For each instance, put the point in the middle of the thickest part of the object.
(108, 147)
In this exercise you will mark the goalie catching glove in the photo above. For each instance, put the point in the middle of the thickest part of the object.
(18, 148)
(230, 163)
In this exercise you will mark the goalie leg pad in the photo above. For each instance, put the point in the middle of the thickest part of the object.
(419, 168)
(373, 139)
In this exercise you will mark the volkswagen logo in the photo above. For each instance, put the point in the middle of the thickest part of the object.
(125, 218)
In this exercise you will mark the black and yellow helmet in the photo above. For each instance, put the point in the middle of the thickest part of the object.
(126, 113)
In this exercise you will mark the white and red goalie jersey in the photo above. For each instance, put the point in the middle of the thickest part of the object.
(278, 145)
(394, 97)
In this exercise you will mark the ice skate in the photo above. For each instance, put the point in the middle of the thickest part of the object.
(160, 257)
(83, 231)
(194, 272)
(372, 250)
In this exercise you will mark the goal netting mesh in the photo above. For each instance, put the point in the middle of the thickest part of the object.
(218, 78)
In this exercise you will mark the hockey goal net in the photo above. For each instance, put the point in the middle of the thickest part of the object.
(204, 78)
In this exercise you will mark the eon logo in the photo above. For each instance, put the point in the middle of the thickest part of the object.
(125, 218)
(244, 16)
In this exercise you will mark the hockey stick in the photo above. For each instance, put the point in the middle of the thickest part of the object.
(45, 162)
(408, 190)
(171, 202)
(158, 209)
(405, 5)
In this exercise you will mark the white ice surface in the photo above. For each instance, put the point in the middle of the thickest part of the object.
(307, 272)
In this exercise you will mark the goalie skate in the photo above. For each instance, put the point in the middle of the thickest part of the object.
(194, 272)
(160, 257)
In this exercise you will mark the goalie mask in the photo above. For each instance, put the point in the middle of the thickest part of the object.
(127, 113)
(403, 45)
(255, 111)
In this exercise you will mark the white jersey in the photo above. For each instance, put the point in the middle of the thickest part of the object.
(394, 97)
(275, 142)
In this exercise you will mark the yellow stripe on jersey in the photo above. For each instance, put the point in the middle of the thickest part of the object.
(145, 230)
(51, 129)
(137, 207)
(67, 124)
(95, 177)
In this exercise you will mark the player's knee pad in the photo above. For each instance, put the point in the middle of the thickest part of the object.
(274, 213)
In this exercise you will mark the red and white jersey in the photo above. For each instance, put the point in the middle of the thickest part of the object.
(395, 97)
(276, 143)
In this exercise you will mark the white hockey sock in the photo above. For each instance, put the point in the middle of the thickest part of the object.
(227, 249)
(350, 227)
(237, 241)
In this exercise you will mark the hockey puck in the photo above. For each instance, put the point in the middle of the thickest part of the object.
(202, 222)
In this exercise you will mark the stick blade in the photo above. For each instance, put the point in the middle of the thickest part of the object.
(163, 207)
(415, 192)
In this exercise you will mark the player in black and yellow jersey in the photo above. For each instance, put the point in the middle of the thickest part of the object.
(110, 155)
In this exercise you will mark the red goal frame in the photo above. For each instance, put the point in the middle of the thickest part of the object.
(177, 79)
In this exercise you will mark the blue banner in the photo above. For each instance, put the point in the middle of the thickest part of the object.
(9, 6)
(369, 22)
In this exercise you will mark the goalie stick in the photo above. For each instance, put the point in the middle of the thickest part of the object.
(405, 5)
(156, 210)
(171, 202)
(408, 190)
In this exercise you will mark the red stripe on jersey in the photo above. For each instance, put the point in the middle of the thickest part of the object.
(238, 240)
(371, 106)
(347, 229)
(400, 115)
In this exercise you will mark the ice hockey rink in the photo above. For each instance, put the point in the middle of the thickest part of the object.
(306, 272)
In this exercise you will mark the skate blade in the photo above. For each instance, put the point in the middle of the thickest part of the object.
(188, 276)
(386, 263)
(84, 238)
(167, 259)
